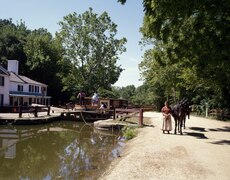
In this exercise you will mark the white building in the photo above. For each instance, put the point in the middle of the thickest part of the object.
(18, 90)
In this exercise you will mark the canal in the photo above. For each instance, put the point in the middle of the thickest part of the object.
(60, 150)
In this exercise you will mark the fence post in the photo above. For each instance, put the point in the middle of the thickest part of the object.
(114, 113)
(36, 111)
(206, 110)
(48, 111)
(141, 117)
(20, 111)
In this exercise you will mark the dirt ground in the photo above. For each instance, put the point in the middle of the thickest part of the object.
(202, 152)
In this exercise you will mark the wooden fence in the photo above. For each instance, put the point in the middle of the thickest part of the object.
(34, 110)
(134, 112)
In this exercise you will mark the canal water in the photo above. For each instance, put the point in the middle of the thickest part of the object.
(60, 150)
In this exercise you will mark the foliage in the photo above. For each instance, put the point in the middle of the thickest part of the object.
(190, 57)
(90, 51)
(139, 96)
(127, 92)
(69, 62)
(44, 54)
(38, 53)
(143, 96)
(107, 93)
(129, 132)
(12, 40)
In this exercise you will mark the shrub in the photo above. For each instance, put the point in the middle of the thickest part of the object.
(129, 132)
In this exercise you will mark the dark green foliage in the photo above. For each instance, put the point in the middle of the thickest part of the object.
(38, 54)
(12, 41)
(191, 56)
(44, 54)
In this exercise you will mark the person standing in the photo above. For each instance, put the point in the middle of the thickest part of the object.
(81, 97)
(103, 107)
(167, 123)
(95, 99)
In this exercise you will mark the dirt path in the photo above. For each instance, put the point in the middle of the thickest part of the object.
(202, 152)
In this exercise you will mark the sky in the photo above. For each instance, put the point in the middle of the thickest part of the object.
(47, 13)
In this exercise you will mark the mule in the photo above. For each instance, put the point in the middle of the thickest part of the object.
(179, 115)
(186, 109)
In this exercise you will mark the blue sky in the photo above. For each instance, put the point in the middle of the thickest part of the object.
(47, 13)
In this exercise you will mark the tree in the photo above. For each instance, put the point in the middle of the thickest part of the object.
(37, 52)
(12, 40)
(194, 36)
(91, 51)
(127, 92)
(44, 54)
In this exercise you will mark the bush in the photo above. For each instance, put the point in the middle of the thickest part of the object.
(129, 132)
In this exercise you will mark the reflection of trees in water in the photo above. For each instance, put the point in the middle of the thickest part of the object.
(87, 154)
(77, 152)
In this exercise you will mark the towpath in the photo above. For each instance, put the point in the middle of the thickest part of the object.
(202, 152)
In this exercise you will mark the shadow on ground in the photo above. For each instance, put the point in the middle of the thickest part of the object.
(221, 142)
(197, 135)
(198, 129)
(224, 129)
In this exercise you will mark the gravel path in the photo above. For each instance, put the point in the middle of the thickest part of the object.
(202, 152)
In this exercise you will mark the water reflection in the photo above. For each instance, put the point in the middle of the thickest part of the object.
(61, 150)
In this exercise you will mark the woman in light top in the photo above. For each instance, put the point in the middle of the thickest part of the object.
(95, 99)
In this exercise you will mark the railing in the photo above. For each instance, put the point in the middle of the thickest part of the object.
(34, 110)
(134, 112)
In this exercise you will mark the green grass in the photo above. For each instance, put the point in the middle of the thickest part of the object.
(129, 132)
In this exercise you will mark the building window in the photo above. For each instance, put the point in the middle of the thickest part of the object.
(37, 89)
(2, 80)
(31, 88)
(1, 99)
(43, 89)
(20, 88)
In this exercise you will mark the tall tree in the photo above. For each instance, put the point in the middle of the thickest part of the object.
(91, 51)
(38, 52)
(43, 56)
(127, 92)
(12, 40)
(195, 36)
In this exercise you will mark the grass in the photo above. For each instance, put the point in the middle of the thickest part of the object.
(130, 126)
(129, 132)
